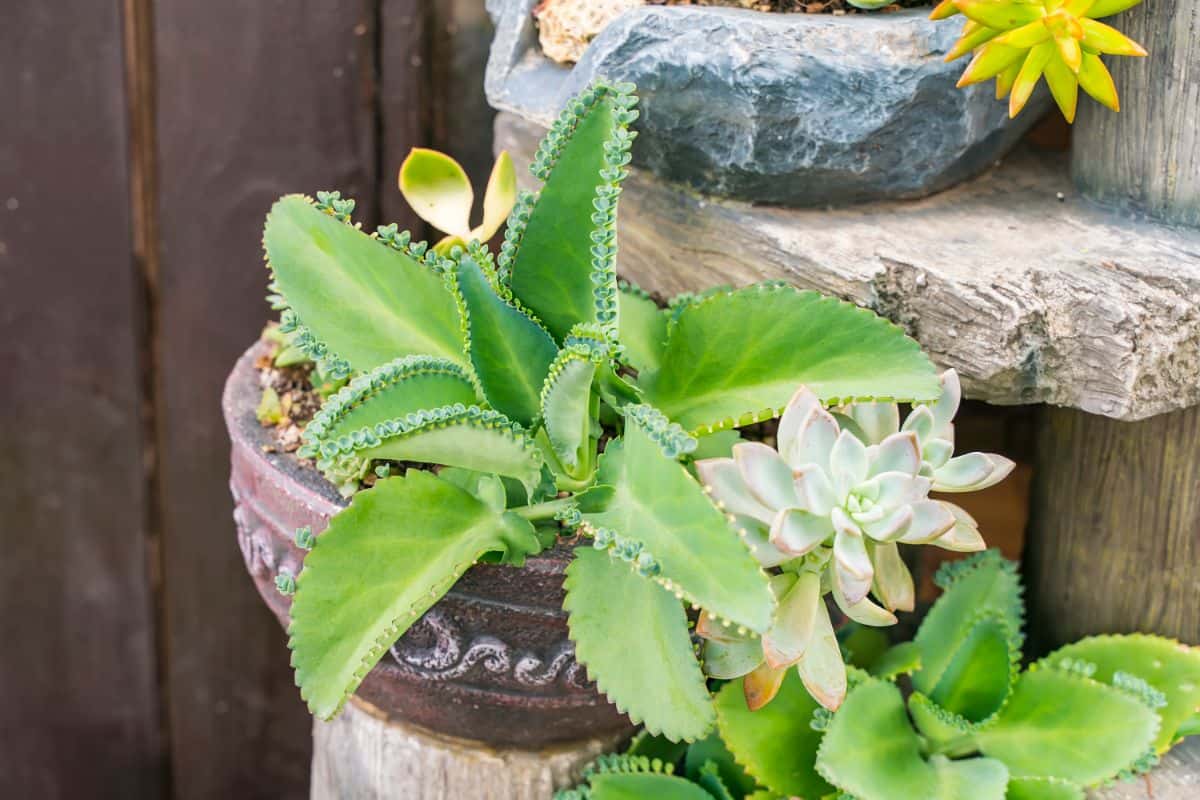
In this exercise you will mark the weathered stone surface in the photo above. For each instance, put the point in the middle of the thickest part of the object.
(1030, 297)
(363, 755)
(795, 109)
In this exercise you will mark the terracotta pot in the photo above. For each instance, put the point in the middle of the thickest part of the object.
(491, 661)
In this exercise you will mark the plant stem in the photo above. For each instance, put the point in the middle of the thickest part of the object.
(540, 511)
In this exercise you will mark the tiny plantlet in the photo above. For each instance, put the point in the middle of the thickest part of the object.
(975, 725)
(1019, 42)
(551, 401)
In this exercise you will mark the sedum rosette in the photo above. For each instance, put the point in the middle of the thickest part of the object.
(829, 509)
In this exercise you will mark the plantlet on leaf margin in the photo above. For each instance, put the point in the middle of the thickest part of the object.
(508, 375)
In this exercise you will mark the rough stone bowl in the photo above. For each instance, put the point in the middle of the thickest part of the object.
(792, 109)
(491, 661)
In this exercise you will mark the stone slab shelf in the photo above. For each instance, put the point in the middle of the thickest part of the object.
(1033, 294)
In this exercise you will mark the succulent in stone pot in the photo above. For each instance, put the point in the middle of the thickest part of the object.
(530, 401)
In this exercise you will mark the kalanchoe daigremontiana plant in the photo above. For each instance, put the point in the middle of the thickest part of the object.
(1018, 42)
(829, 510)
(973, 727)
(544, 392)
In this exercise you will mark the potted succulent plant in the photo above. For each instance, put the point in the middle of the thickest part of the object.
(553, 479)
(519, 393)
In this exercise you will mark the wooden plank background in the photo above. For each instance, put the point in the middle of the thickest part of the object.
(141, 147)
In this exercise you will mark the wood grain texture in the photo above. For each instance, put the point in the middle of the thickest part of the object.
(1177, 777)
(360, 755)
(1114, 543)
(404, 91)
(1147, 157)
(254, 100)
(1031, 298)
(461, 120)
(79, 714)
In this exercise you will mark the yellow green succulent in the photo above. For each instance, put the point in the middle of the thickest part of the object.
(1017, 42)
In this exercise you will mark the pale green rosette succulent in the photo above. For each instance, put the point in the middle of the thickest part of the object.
(829, 509)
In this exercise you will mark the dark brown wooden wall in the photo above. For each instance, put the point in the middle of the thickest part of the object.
(140, 147)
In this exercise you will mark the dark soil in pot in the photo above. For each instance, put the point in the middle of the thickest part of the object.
(491, 661)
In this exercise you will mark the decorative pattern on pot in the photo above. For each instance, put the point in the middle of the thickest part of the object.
(490, 662)
(796, 109)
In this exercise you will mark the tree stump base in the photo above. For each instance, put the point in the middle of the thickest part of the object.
(365, 756)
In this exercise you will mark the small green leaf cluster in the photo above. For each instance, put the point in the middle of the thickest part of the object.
(948, 715)
(498, 398)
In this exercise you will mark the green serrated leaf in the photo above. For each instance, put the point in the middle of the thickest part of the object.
(658, 504)
(568, 409)
(738, 357)
(656, 746)
(566, 250)
(472, 439)
(391, 391)
(937, 724)
(871, 751)
(709, 778)
(1170, 667)
(616, 786)
(366, 301)
(1059, 724)
(643, 330)
(1043, 789)
(712, 750)
(632, 635)
(510, 352)
(984, 584)
(776, 744)
(381, 564)
(901, 659)
(979, 677)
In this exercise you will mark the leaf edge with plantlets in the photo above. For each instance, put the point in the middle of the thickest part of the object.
(686, 713)
(1008, 603)
(381, 442)
(509, 340)
(990, 740)
(616, 765)
(341, 360)
(784, 360)
(658, 440)
(598, 284)
(336, 550)
(586, 347)
(1086, 650)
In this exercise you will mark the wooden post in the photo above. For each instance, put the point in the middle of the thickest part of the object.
(1147, 157)
(1114, 542)
(363, 755)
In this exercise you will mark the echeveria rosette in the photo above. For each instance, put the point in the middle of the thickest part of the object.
(1018, 43)
(829, 508)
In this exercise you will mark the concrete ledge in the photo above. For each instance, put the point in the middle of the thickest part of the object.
(1031, 293)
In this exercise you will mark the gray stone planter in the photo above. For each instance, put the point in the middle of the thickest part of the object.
(780, 108)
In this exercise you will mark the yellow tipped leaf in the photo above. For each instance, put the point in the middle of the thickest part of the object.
(1002, 16)
(944, 10)
(1105, 39)
(1028, 76)
(991, 60)
(1070, 52)
(437, 188)
(1005, 80)
(969, 41)
(1063, 85)
(1079, 8)
(1026, 36)
(1106, 8)
(499, 197)
(1096, 80)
